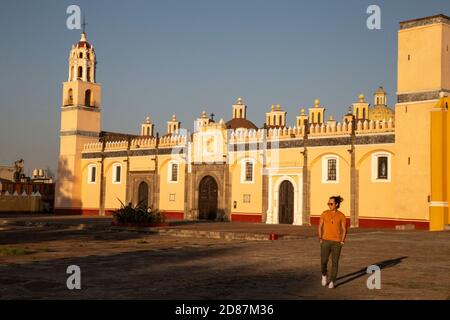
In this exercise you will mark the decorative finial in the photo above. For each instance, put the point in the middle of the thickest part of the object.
(361, 98)
(331, 117)
(273, 107)
(174, 118)
(239, 101)
(147, 120)
(302, 112)
(204, 114)
(278, 107)
(316, 102)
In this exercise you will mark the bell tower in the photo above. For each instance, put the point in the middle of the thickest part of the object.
(80, 124)
(420, 133)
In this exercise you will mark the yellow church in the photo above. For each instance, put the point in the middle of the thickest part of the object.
(391, 165)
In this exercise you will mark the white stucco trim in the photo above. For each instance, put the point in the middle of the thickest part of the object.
(89, 173)
(169, 171)
(242, 164)
(374, 166)
(325, 159)
(273, 196)
(439, 204)
(113, 175)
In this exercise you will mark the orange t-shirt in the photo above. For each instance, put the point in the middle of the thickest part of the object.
(332, 225)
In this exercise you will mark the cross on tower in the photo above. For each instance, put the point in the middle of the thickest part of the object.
(83, 24)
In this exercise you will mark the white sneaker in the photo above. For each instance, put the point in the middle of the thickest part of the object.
(324, 281)
(331, 285)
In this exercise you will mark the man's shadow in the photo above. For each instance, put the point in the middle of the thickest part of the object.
(362, 272)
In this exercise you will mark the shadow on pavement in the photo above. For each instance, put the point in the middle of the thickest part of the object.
(363, 272)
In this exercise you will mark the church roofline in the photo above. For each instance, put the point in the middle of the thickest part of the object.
(439, 18)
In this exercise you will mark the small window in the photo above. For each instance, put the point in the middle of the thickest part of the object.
(319, 120)
(248, 171)
(81, 55)
(92, 173)
(174, 172)
(88, 74)
(381, 167)
(117, 173)
(87, 98)
(331, 170)
(247, 198)
(70, 97)
(80, 72)
(382, 170)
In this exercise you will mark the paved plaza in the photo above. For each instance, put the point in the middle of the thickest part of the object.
(201, 261)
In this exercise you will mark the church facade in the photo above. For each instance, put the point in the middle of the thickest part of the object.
(389, 164)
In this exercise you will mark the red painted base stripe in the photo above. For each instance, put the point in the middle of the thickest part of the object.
(173, 215)
(255, 218)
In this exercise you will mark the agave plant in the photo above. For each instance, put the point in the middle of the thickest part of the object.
(138, 214)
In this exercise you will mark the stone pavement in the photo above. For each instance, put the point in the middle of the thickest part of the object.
(35, 252)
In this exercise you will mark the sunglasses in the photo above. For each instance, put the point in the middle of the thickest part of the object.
(330, 203)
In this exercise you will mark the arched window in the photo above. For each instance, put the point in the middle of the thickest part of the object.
(240, 113)
(148, 131)
(80, 72)
(281, 120)
(88, 74)
(364, 113)
(71, 73)
(87, 55)
(70, 97)
(318, 118)
(81, 55)
(274, 120)
(313, 118)
(87, 98)
(357, 113)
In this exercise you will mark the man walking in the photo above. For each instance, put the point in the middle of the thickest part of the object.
(332, 232)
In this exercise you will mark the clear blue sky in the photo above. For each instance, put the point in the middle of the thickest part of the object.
(162, 57)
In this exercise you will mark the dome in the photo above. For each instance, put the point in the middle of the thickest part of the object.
(83, 42)
(240, 123)
(380, 113)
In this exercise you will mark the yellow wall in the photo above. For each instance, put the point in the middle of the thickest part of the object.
(166, 188)
(423, 72)
(412, 140)
(320, 192)
(376, 198)
(239, 188)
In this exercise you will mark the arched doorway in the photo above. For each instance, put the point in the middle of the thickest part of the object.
(143, 194)
(207, 198)
(286, 203)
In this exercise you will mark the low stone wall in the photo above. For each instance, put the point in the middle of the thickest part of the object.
(20, 203)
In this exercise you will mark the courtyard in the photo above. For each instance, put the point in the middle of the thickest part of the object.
(205, 261)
